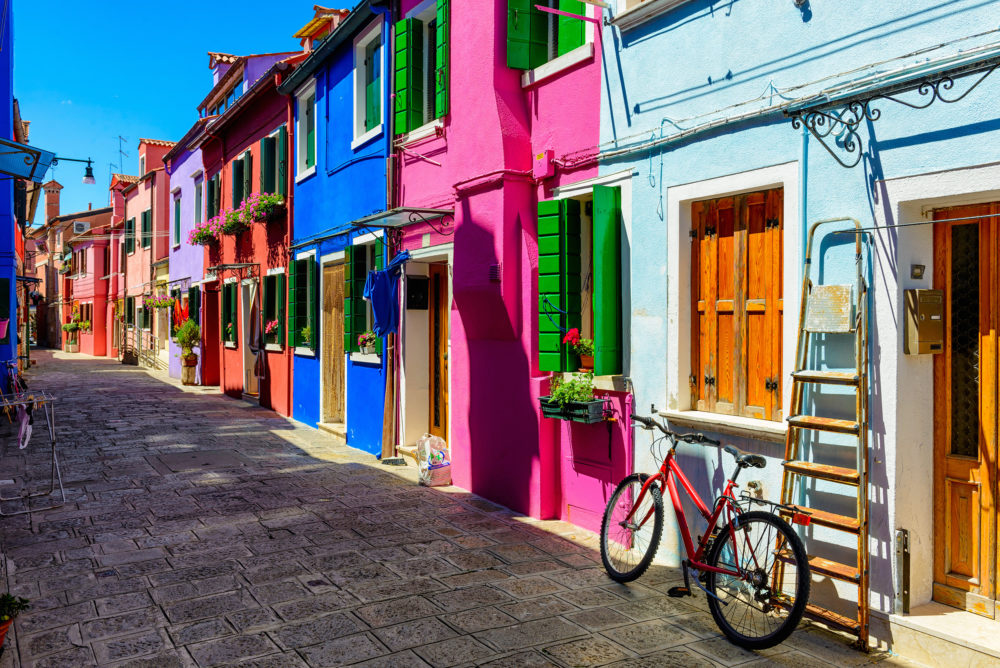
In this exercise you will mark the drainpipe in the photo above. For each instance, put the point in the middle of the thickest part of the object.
(804, 197)
(289, 208)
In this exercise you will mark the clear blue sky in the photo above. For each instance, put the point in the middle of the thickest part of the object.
(87, 72)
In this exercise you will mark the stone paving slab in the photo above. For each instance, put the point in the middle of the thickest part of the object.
(202, 530)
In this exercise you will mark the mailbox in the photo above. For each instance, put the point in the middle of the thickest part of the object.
(924, 322)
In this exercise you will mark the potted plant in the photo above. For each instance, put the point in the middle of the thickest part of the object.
(85, 326)
(233, 223)
(72, 343)
(230, 332)
(584, 348)
(188, 337)
(10, 607)
(367, 342)
(263, 208)
(573, 400)
(305, 335)
(207, 232)
(271, 331)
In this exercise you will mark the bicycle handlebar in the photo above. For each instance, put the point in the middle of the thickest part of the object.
(687, 438)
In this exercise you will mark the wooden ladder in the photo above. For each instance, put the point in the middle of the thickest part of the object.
(833, 309)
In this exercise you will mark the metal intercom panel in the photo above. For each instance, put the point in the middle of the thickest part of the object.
(924, 333)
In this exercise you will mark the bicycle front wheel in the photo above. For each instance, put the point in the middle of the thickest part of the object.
(630, 531)
(762, 606)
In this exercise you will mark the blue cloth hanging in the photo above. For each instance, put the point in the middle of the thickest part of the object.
(382, 290)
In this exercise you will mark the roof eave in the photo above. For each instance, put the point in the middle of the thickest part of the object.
(357, 18)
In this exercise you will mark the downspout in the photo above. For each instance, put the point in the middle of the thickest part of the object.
(803, 196)
(289, 209)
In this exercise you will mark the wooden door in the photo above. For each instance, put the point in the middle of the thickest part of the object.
(333, 343)
(439, 311)
(965, 424)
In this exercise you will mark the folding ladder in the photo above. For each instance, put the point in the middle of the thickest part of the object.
(830, 310)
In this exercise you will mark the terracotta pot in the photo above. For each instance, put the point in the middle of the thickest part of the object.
(586, 363)
(4, 627)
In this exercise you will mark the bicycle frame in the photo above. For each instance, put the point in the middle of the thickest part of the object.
(726, 503)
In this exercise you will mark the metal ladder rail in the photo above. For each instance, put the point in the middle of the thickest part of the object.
(795, 469)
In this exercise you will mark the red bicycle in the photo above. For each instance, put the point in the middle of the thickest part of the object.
(750, 564)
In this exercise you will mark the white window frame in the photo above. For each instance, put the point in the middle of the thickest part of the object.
(361, 42)
(305, 255)
(301, 95)
(368, 241)
(626, 18)
(564, 62)
(175, 200)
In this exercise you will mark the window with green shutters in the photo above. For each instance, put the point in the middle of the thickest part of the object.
(269, 164)
(311, 131)
(305, 101)
(177, 221)
(213, 196)
(199, 186)
(130, 236)
(130, 310)
(229, 306)
(303, 304)
(274, 308)
(282, 158)
(421, 78)
(579, 279)
(194, 304)
(373, 83)
(358, 319)
(147, 228)
(239, 179)
(535, 37)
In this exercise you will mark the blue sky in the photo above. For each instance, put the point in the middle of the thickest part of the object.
(87, 72)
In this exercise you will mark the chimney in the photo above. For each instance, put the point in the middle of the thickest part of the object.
(90, 206)
(52, 189)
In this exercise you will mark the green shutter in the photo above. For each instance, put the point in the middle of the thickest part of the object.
(247, 174)
(282, 175)
(177, 220)
(146, 223)
(527, 35)
(558, 282)
(310, 131)
(194, 305)
(373, 82)
(312, 302)
(129, 311)
(198, 187)
(349, 335)
(130, 235)
(234, 310)
(224, 312)
(441, 72)
(293, 330)
(267, 167)
(607, 298)
(210, 197)
(279, 311)
(409, 75)
(571, 32)
(355, 308)
(218, 194)
(237, 173)
(379, 265)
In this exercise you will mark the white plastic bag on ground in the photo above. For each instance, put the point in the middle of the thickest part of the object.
(434, 461)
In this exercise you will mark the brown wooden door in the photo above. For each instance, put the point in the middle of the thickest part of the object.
(440, 308)
(333, 343)
(965, 384)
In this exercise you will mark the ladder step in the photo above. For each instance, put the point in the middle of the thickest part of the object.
(832, 618)
(826, 519)
(824, 424)
(827, 377)
(824, 472)
(833, 569)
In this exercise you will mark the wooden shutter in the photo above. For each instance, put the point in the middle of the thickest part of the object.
(194, 305)
(312, 302)
(373, 82)
(311, 130)
(211, 202)
(527, 35)
(293, 330)
(177, 220)
(225, 312)
(282, 176)
(198, 187)
(129, 236)
(607, 303)
(441, 58)
(355, 308)
(247, 174)
(234, 310)
(571, 32)
(267, 166)
(218, 194)
(279, 312)
(409, 75)
(558, 282)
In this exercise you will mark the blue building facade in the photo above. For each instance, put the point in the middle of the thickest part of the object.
(746, 122)
(8, 222)
(340, 176)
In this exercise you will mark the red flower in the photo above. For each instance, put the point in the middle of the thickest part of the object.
(572, 337)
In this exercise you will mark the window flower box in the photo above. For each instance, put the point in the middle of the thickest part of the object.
(587, 412)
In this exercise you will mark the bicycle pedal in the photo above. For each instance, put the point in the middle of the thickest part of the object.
(678, 592)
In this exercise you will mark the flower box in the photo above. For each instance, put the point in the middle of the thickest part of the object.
(275, 215)
(587, 412)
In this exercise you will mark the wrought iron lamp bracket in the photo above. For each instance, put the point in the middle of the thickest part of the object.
(444, 228)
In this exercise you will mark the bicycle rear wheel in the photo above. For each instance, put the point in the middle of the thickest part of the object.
(628, 546)
(762, 608)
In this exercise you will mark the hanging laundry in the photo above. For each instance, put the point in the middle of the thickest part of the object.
(382, 290)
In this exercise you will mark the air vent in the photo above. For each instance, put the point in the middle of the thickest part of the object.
(81, 226)
(495, 270)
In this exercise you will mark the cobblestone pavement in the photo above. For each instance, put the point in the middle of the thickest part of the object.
(201, 531)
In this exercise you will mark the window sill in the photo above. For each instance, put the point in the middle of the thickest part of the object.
(602, 383)
(632, 17)
(303, 175)
(273, 347)
(362, 358)
(558, 65)
(366, 137)
(231, 346)
(433, 129)
(305, 352)
(176, 246)
(730, 425)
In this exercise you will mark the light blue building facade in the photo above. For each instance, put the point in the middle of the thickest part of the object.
(341, 97)
(712, 106)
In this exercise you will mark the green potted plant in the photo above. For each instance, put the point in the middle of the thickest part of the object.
(573, 400)
(234, 223)
(188, 336)
(10, 607)
(584, 348)
(72, 342)
(367, 342)
(305, 336)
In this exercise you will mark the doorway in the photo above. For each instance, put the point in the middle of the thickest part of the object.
(965, 408)
(211, 335)
(439, 309)
(251, 339)
(332, 403)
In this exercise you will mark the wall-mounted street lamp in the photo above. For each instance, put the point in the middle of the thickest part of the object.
(88, 174)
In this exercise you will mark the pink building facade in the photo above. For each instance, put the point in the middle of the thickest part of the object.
(469, 360)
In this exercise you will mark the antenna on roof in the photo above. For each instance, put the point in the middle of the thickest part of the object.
(121, 154)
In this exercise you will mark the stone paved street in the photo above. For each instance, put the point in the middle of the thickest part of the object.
(203, 531)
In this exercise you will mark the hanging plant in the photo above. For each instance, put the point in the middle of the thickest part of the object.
(233, 222)
(206, 232)
(262, 208)
(157, 302)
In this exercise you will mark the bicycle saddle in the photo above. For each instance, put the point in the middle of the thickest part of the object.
(744, 459)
